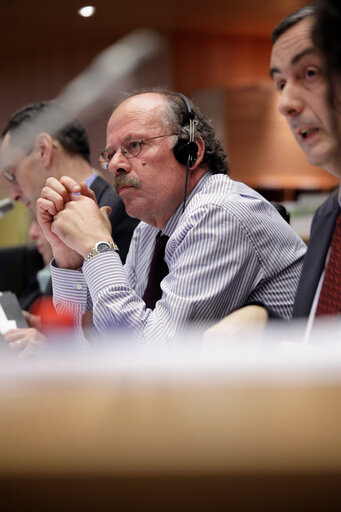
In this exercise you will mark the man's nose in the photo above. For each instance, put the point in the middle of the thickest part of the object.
(119, 163)
(15, 192)
(291, 102)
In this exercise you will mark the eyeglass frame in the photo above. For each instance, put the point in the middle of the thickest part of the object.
(12, 178)
(104, 161)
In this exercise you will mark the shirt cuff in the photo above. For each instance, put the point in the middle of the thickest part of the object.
(68, 285)
(102, 271)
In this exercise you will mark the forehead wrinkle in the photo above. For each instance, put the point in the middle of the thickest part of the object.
(308, 51)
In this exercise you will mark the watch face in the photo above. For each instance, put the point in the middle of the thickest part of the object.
(103, 247)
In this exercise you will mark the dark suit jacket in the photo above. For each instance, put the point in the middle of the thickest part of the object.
(322, 228)
(18, 268)
(19, 265)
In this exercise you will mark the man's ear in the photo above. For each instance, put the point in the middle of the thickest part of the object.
(44, 147)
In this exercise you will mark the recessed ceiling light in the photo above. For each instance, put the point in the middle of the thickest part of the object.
(86, 11)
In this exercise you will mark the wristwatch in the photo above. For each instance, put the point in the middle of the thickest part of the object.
(101, 247)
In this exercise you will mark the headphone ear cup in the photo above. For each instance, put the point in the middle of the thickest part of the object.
(182, 149)
(193, 152)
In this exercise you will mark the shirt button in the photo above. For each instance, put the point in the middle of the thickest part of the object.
(79, 286)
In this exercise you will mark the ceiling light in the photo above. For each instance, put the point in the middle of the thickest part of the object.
(86, 11)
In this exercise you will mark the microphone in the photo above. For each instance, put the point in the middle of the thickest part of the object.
(6, 205)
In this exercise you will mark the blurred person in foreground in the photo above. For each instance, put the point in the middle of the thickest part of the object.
(225, 245)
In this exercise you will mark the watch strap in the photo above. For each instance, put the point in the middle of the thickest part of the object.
(111, 246)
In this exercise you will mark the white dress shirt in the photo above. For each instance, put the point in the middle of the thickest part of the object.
(228, 249)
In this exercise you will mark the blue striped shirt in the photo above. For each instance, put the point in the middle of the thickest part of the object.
(228, 249)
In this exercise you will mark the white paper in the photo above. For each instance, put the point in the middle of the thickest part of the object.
(5, 324)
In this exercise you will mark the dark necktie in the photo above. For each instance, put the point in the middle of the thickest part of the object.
(158, 270)
(330, 297)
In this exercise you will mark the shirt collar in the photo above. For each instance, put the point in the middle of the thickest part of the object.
(90, 179)
(174, 219)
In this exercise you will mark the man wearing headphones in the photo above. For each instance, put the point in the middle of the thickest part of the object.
(225, 245)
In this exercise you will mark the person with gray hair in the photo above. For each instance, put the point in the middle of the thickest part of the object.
(39, 154)
(206, 245)
(64, 151)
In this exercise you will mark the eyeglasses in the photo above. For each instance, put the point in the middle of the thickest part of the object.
(9, 174)
(130, 149)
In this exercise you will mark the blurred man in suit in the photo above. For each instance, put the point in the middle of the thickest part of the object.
(66, 151)
(299, 72)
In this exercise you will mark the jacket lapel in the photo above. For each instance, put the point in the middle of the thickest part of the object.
(314, 260)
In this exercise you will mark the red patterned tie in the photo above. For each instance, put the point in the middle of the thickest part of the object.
(330, 297)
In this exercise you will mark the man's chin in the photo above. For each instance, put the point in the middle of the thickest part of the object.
(330, 165)
(317, 159)
(132, 209)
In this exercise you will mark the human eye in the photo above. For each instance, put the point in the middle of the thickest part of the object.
(280, 84)
(109, 154)
(132, 147)
(311, 73)
(105, 158)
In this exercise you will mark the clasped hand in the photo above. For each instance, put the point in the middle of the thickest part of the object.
(71, 220)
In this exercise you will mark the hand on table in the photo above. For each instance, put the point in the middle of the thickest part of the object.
(25, 342)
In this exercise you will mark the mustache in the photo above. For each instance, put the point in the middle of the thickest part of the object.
(122, 180)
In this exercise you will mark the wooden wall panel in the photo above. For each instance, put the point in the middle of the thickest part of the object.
(206, 60)
(262, 151)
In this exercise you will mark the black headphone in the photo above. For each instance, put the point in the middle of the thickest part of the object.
(186, 150)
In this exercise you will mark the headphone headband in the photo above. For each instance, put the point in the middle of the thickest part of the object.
(186, 151)
(190, 112)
